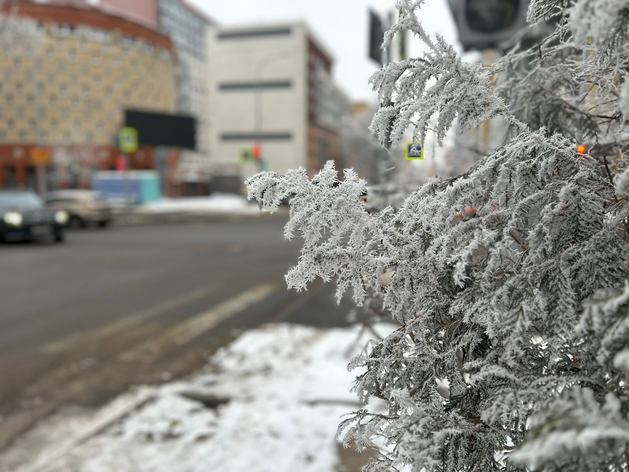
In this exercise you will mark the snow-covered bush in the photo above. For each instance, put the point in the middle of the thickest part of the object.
(509, 282)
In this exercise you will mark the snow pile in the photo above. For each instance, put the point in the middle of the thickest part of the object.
(217, 203)
(270, 402)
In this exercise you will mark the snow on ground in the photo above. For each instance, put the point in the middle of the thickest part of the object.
(216, 203)
(269, 402)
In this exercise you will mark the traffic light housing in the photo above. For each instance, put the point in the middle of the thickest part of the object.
(376, 37)
(488, 24)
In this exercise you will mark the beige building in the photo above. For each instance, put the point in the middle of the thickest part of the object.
(62, 106)
(271, 85)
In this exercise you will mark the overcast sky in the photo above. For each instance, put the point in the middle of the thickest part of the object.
(341, 24)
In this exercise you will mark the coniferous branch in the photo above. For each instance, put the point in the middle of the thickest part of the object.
(509, 281)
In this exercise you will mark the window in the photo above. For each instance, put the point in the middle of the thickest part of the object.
(277, 84)
(255, 136)
(31, 181)
(10, 177)
(51, 178)
(255, 34)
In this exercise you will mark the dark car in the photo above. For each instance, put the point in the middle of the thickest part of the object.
(24, 217)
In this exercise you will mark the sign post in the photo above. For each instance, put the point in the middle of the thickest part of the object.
(40, 157)
(128, 138)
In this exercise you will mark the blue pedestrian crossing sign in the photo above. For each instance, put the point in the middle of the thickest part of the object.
(414, 152)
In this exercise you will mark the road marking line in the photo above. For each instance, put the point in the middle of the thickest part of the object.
(62, 450)
(125, 323)
(186, 331)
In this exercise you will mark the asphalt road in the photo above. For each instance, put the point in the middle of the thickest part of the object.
(82, 321)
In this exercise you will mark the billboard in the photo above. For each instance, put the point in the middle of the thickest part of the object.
(157, 129)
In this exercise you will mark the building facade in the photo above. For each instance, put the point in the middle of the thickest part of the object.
(62, 106)
(188, 28)
(271, 88)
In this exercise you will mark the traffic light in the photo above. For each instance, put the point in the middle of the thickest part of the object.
(488, 24)
(376, 37)
(256, 150)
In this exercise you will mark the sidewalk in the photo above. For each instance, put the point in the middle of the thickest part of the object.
(269, 402)
(217, 207)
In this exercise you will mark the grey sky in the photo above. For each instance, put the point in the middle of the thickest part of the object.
(340, 24)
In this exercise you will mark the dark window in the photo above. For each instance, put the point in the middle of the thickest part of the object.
(31, 179)
(9, 177)
(254, 34)
(491, 16)
(323, 151)
(52, 182)
(256, 136)
(256, 85)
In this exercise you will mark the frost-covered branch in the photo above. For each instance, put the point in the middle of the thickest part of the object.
(509, 282)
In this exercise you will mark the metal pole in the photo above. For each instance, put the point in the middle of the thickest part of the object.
(258, 113)
(262, 63)
(127, 191)
(388, 163)
(39, 167)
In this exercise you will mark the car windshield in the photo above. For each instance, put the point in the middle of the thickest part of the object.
(20, 201)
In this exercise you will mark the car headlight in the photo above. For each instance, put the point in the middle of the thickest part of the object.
(13, 218)
(61, 217)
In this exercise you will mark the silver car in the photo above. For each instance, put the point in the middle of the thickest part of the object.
(84, 207)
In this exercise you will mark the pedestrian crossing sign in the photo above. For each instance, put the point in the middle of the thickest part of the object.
(128, 139)
(246, 155)
(414, 152)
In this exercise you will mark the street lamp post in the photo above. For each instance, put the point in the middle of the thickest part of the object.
(39, 166)
(262, 63)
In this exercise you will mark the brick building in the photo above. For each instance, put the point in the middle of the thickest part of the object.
(62, 106)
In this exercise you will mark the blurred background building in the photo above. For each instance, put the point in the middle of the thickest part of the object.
(271, 88)
(261, 96)
(63, 105)
(188, 28)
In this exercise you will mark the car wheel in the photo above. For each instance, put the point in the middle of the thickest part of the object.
(59, 237)
(76, 222)
(104, 224)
